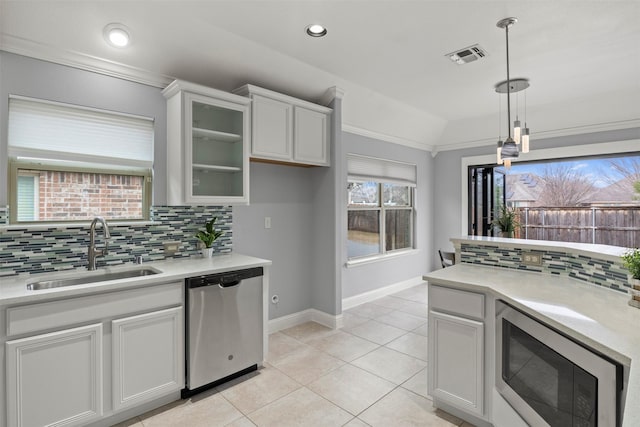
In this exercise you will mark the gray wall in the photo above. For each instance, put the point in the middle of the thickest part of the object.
(367, 277)
(448, 211)
(303, 242)
(307, 206)
(24, 76)
(285, 194)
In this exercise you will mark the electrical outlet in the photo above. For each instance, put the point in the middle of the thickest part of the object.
(531, 258)
(170, 248)
(267, 222)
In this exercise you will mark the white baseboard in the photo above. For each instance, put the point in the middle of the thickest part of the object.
(335, 321)
(308, 315)
(356, 300)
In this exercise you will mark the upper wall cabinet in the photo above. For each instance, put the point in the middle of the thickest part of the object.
(207, 146)
(286, 129)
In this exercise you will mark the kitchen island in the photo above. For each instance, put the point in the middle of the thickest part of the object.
(595, 316)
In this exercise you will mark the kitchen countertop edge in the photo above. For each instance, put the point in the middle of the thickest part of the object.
(13, 289)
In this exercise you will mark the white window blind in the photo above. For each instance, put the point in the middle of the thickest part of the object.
(62, 132)
(363, 168)
(27, 198)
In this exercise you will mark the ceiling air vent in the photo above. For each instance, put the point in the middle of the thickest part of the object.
(468, 54)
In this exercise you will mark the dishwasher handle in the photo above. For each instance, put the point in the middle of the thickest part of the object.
(230, 284)
(223, 280)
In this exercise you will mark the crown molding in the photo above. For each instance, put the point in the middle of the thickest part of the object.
(332, 93)
(545, 134)
(81, 61)
(387, 138)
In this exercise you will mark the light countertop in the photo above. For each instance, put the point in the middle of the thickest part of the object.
(596, 316)
(13, 289)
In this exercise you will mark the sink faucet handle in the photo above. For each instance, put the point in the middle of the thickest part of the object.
(138, 259)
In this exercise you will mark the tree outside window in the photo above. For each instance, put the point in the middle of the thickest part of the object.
(585, 200)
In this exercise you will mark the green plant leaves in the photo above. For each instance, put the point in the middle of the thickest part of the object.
(507, 221)
(631, 261)
(209, 234)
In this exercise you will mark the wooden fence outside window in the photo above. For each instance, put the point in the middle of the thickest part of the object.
(608, 225)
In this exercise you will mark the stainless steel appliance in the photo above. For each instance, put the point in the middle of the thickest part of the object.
(551, 380)
(224, 327)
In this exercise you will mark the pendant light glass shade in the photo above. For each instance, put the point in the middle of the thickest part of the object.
(499, 152)
(509, 149)
(516, 131)
(525, 139)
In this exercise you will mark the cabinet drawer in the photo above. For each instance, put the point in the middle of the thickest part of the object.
(72, 311)
(456, 301)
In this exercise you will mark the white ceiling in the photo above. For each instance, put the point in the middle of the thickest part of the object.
(582, 57)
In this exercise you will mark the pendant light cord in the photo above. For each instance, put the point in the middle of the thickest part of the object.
(506, 31)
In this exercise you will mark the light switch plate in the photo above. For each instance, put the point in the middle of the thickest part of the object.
(267, 222)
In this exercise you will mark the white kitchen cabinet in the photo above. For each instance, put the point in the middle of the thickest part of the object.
(55, 378)
(147, 359)
(286, 129)
(272, 127)
(456, 361)
(78, 360)
(311, 136)
(456, 348)
(207, 146)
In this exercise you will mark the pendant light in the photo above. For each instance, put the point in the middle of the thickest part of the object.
(525, 131)
(508, 150)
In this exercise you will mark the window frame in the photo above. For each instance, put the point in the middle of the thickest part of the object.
(16, 165)
(383, 208)
(556, 153)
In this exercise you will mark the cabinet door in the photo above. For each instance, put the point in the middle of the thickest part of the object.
(456, 361)
(272, 129)
(148, 355)
(55, 379)
(215, 151)
(311, 137)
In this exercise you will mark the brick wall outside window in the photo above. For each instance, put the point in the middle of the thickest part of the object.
(80, 195)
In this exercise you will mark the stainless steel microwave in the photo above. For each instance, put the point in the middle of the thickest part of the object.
(551, 380)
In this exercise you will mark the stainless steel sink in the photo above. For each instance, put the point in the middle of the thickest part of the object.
(92, 277)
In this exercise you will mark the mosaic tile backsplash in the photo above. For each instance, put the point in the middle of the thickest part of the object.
(593, 270)
(37, 250)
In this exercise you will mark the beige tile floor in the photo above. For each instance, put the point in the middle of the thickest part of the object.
(372, 372)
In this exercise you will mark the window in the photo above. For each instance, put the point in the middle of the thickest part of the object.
(594, 199)
(70, 163)
(380, 208)
(28, 196)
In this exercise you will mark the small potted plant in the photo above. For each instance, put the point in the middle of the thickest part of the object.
(507, 221)
(631, 261)
(208, 236)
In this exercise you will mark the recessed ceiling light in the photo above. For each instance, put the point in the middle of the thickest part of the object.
(117, 35)
(316, 30)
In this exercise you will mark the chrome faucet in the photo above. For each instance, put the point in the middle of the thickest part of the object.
(93, 252)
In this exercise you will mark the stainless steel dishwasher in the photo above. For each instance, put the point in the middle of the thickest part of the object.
(223, 327)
